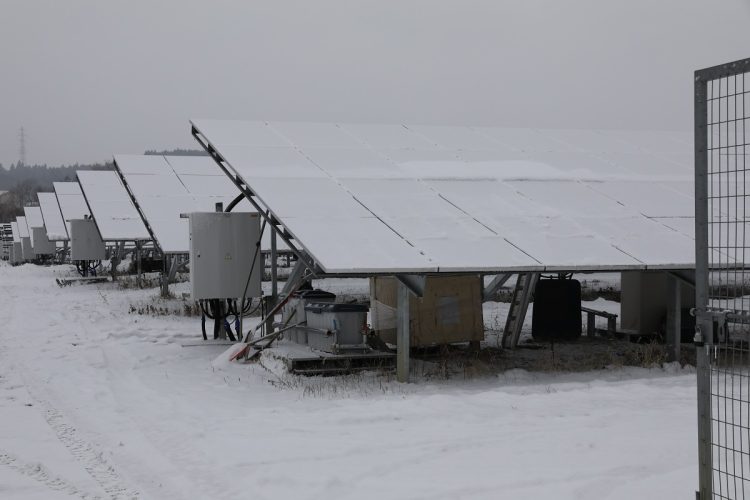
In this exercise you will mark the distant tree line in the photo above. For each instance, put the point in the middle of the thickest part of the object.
(23, 182)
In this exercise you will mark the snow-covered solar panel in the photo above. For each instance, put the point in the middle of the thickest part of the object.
(456, 138)
(33, 217)
(72, 203)
(650, 198)
(164, 187)
(387, 136)
(467, 199)
(16, 232)
(53, 219)
(114, 213)
(523, 139)
(23, 228)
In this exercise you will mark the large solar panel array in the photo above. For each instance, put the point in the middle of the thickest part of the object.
(72, 203)
(393, 198)
(163, 187)
(53, 219)
(114, 213)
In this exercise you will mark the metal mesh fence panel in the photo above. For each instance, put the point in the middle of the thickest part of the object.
(722, 280)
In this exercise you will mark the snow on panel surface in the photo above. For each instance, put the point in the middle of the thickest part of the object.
(432, 224)
(67, 188)
(33, 220)
(457, 138)
(164, 187)
(72, 203)
(23, 228)
(33, 216)
(114, 212)
(143, 164)
(352, 162)
(316, 135)
(523, 139)
(210, 186)
(387, 136)
(483, 198)
(193, 165)
(347, 244)
(645, 240)
(254, 162)
(16, 232)
(683, 225)
(53, 220)
(223, 133)
(652, 199)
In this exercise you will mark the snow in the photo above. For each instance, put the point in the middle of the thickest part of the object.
(559, 199)
(53, 219)
(99, 402)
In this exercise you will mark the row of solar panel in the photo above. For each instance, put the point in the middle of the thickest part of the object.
(395, 198)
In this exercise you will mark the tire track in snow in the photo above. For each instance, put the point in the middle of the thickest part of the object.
(92, 460)
(83, 452)
(39, 473)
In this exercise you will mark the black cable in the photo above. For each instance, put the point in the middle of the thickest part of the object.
(241, 334)
(203, 326)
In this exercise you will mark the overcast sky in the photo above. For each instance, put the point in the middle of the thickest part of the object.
(88, 79)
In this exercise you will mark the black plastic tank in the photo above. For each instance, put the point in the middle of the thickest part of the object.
(557, 310)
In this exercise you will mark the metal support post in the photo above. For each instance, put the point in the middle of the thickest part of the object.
(674, 323)
(175, 263)
(704, 326)
(705, 458)
(166, 261)
(590, 324)
(138, 261)
(274, 271)
(403, 337)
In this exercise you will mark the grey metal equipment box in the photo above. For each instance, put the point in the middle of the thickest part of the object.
(294, 312)
(27, 249)
(42, 245)
(85, 242)
(222, 246)
(336, 327)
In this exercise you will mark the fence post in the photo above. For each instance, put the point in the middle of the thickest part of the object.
(704, 335)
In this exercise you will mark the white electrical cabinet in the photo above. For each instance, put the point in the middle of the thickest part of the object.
(85, 242)
(42, 244)
(222, 247)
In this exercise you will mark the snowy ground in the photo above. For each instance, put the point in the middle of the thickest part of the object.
(96, 402)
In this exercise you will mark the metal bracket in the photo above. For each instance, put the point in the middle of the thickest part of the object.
(414, 283)
(497, 282)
